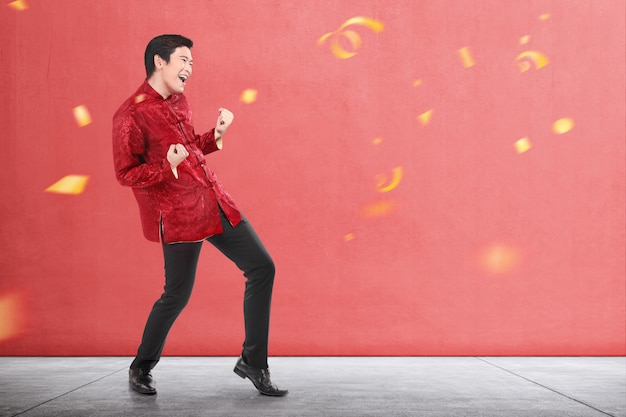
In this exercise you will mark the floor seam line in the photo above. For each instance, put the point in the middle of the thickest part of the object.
(544, 386)
(68, 392)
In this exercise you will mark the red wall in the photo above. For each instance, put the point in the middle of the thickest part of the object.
(392, 234)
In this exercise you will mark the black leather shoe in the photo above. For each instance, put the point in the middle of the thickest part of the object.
(141, 381)
(259, 377)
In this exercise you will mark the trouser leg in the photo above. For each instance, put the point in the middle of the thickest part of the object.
(181, 260)
(242, 245)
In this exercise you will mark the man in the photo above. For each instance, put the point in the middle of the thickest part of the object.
(181, 203)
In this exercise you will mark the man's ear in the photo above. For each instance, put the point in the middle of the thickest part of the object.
(158, 61)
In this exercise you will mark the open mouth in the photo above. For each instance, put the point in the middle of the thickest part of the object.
(183, 78)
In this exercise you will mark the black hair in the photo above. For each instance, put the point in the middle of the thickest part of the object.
(163, 46)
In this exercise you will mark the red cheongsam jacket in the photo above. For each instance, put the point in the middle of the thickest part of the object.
(183, 209)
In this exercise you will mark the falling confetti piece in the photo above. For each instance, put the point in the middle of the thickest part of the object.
(10, 312)
(359, 20)
(338, 50)
(70, 184)
(379, 208)
(537, 58)
(499, 258)
(353, 38)
(348, 237)
(466, 57)
(139, 98)
(248, 96)
(395, 181)
(544, 16)
(424, 118)
(523, 145)
(563, 125)
(19, 5)
(81, 114)
(377, 141)
(417, 83)
(524, 40)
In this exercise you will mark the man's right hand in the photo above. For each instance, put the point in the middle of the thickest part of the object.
(176, 154)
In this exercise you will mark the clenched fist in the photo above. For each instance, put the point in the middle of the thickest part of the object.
(175, 155)
(224, 119)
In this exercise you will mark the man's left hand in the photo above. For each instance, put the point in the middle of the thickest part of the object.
(224, 120)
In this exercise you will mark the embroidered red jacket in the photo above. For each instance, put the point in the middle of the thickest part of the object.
(183, 209)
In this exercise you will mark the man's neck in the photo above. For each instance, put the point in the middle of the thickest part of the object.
(158, 86)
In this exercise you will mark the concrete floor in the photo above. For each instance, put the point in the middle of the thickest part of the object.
(320, 386)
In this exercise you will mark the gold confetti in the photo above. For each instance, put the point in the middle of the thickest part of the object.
(466, 57)
(354, 38)
(523, 145)
(10, 311)
(139, 98)
(248, 96)
(425, 117)
(348, 237)
(563, 125)
(19, 5)
(70, 184)
(417, 83)
(524, 40)
(377, 141)
(537, 58)
(499, 258)
(82, 116)
(544, 16)
(395, 181)
(338, 50)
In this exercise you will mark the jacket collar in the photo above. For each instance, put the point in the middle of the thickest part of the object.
(147, 89)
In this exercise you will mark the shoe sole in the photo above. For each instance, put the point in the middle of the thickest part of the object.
(142, 391)
(243, 375)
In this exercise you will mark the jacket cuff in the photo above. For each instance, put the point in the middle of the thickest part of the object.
(168, 168)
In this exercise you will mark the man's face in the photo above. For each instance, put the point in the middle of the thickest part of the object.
(175, 74)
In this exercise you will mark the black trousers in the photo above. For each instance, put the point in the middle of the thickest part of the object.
(241, 245)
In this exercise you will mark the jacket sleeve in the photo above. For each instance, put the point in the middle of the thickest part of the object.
(131, 169)
(208, 143)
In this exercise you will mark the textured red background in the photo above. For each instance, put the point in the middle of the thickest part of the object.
(360, 271)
